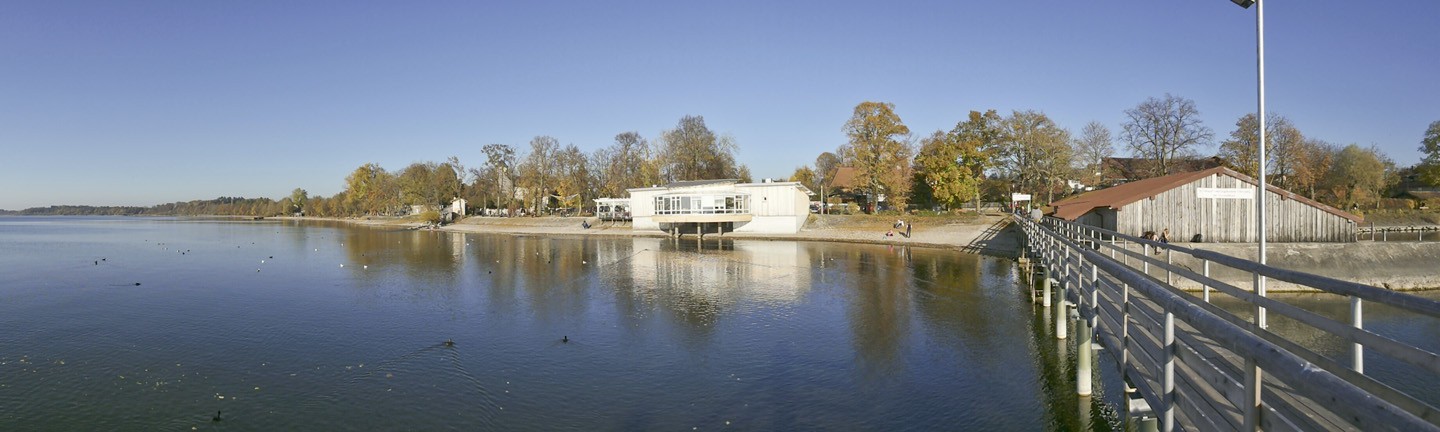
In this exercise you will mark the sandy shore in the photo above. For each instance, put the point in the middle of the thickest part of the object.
(986, 234)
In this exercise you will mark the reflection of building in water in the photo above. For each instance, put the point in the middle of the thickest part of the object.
(755, 271)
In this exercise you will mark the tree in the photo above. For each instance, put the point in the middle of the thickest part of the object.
(370, 190)
(1034, 152)
(693, 152)
(628, 162)
(979, 139)
(1313, 162)
(826, 166)
(1091, 149)
(881, 153)
(298, 198)
(539, 171)
(499, 174)
(938, 161)
(1357, 173)
(1429, 168)
(573, 176)
(1284, 144)
(805, 176)
(428, 184)
(1162, 130)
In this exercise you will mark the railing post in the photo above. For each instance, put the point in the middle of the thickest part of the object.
(1357, 319)
(1167, 418)
(1062, 315)
(1145, 261)
(1253, 377)
(1169, 279)
(1082, 357)
(1124, 328)
(1207, 285)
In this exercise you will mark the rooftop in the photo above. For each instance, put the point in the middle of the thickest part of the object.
(1124, 194)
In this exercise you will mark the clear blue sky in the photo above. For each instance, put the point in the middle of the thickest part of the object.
(140, 103)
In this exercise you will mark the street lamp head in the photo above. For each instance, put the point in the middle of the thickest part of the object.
(1244, 3)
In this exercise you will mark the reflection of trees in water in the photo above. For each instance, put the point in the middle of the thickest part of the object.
(429, 259)
(879, 311)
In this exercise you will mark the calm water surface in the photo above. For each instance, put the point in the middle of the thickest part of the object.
(288, 326)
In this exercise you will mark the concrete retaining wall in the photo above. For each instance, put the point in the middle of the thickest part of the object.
(1393, 265)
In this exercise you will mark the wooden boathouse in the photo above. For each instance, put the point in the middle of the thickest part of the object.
(1217, 203)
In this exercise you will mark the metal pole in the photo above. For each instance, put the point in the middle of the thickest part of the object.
(1082, 358)
(1207, 285)
(1260, 116)
(1357, 319)
(1167, 418)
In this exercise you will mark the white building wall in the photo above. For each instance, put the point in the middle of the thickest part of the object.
(775, 207)
(642, 208)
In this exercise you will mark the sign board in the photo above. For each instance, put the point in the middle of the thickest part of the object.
(1225, 193)
(1019, 197)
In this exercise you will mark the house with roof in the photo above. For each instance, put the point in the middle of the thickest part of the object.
(1216, 203)
(720, 206)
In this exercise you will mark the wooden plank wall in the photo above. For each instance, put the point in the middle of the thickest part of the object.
(1227, 220)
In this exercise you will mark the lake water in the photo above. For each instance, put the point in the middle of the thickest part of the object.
(156, 324)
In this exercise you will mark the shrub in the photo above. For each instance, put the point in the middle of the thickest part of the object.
(430, 216)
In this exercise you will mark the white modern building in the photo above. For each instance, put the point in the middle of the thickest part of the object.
(721, 206)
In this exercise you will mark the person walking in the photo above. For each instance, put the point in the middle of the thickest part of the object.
(908, 226)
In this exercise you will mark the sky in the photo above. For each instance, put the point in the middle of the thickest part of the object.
(149, 102)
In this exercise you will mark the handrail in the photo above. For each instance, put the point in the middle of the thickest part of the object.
(1357, 405)
(1332, 285)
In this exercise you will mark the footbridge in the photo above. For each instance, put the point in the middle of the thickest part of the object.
(1192, 364)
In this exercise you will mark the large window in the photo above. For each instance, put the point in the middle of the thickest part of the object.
(702, 204)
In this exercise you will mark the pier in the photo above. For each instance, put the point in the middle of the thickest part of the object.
(1188, 364)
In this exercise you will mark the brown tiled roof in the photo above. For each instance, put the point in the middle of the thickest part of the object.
(844, 177)
(1119, 196)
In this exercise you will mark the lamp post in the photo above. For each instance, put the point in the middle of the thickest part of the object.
(1260, 119)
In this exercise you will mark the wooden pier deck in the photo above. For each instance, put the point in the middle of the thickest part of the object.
(1198, 366)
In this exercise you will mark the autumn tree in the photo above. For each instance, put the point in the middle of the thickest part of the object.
(1090, 150)
(1284, 145)
(497, 176)
(805, 176)
(298, 200)
(878, 141)
(1314, 159)
(1429, 168)
(370, 190)
(693, 152)
(573, 181)
(538, 172)
(1163, 130)
(938, 161)
(428, 184)
(979, 139)
(1357, 175)
(629, 162)
(826, 165)
(1034, 152)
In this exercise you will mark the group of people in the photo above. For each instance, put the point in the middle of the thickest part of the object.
(898, 224)
(1163, 237)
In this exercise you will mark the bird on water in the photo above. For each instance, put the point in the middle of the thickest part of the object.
(217, 416)
(449, 342)
(565, 339)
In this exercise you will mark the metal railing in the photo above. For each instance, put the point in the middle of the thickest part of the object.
(1199, 366)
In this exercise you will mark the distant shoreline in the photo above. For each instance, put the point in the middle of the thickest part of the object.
(969, 234)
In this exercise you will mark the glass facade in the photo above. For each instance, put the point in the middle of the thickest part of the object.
(683, 204)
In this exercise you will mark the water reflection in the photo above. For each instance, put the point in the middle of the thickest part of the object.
(664, 334)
